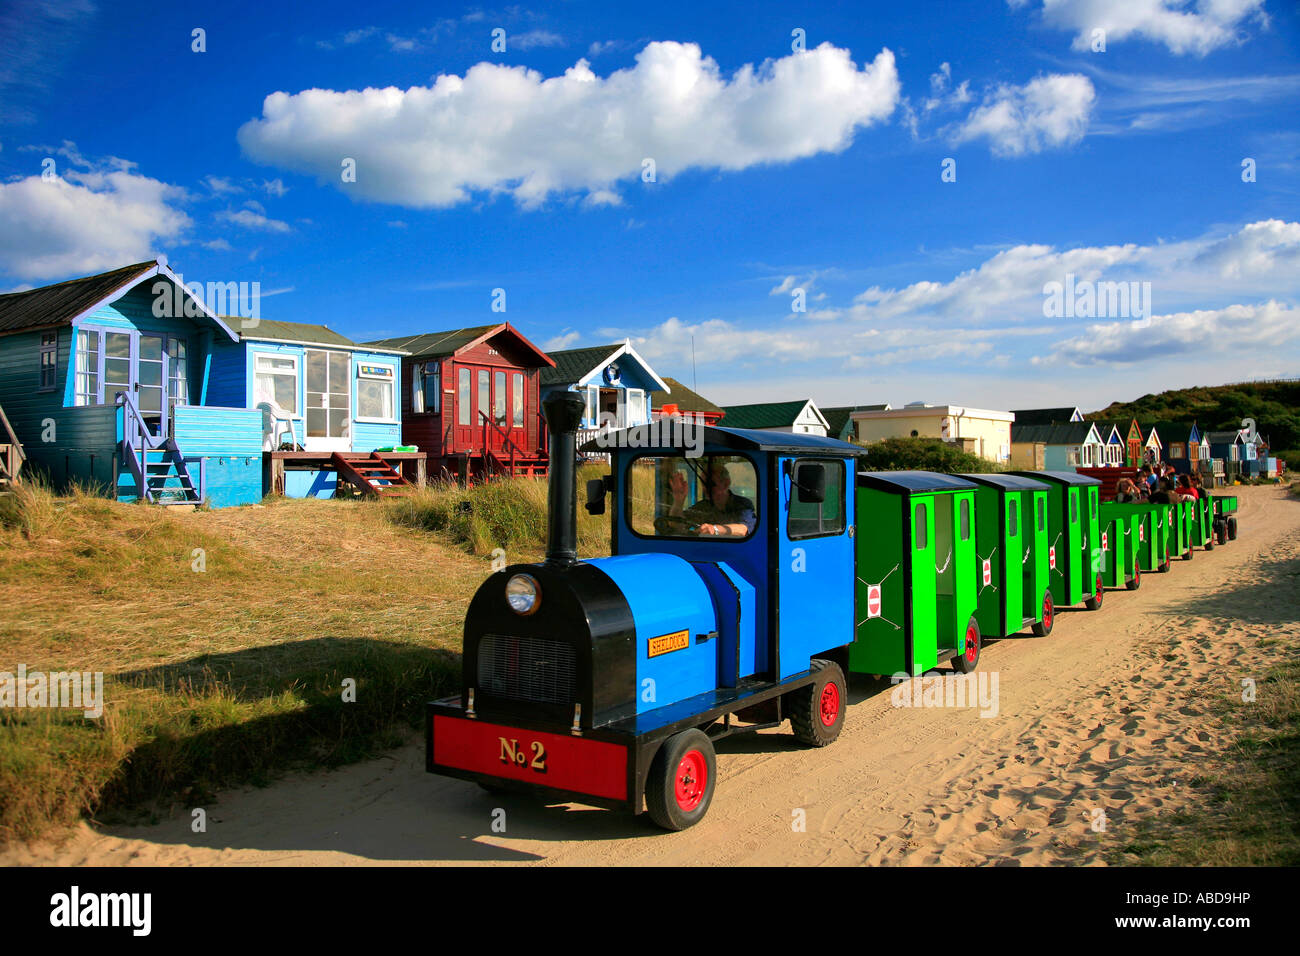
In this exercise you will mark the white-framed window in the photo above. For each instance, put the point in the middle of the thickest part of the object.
(375, 392)
(49, 360)
(417, 387)
(592, 415)
(426, 387)
(87, 384)
(635, 406)
(1176, 451)
(275, 379)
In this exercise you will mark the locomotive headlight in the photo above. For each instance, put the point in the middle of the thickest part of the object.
(523, 593)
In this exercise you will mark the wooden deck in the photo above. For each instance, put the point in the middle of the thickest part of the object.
(411, 464)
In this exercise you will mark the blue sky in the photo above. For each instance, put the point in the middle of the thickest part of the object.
(776, 170)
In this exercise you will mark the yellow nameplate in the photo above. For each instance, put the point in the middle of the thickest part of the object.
(668, 643)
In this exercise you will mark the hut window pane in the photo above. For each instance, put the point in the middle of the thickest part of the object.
(518, 385)
(462, 398)
(375, 391)
(417, 388)
(635, 406)
(275, 379)
(484, 395)
(919, 523)
(499, 398)
(432, 401)
(49, 358)
(88, 355)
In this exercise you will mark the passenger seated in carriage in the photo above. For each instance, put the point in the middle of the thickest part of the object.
(1127, 492)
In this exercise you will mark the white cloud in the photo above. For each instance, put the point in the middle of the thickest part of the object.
(602, 197)
(216, 245)
(253, 220)
(1047, 112)
(565, 340)
(274, 187)
(1264, 327)
(533, 39)
(221, 186)
(509, 129)
(1210, 25)
(85, 221)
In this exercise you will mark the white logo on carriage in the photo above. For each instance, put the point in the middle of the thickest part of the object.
(1085, 299)
(672, 431)
(979, 689)
(80, 690)
(240, 299)
(74, 909)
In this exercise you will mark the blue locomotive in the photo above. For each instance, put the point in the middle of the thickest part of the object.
(727, 606)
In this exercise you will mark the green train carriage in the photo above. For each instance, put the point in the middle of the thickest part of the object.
(1074, 535)
(1012, 572)
(916, 563)
(1123, 533)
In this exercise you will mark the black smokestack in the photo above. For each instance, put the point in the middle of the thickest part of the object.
(563, 415)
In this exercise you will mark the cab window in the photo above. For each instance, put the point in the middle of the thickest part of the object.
(810, 519)
(708, 497)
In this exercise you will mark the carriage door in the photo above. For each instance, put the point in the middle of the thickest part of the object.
(329, 400)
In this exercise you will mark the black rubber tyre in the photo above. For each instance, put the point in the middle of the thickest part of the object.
(1164, 568)
(1232, 529)
(1094, 603)
(1043, 626)
(967, 662)
(1221, 532)
(1136, 581)
(675, 797)
(817, 711)
(1187, 555)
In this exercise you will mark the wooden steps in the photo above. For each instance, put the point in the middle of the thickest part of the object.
(370, 474)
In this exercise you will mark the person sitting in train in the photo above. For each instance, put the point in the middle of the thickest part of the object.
(1147, 477)
(1185, 488)
(1164, 493)
(1126, 492)
(720, 512)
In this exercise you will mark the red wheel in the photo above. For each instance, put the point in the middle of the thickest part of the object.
(680, 786)
(1094, 602)
(1136, 581)
(968, 660)
(817, 709)
(691, 780)
(830, 704)
(1044, 627)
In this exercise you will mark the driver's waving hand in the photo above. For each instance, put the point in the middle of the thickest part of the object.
(719, 512)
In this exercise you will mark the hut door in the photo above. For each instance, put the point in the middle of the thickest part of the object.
(329, 400)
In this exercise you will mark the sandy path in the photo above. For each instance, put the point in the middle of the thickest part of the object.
(1110, 712)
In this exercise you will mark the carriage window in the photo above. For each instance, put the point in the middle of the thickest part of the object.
(1042, 515)
(920, 526)
(713, 496)
(965, 520)
(1074, 507)
(1011, 521)
(809, 519)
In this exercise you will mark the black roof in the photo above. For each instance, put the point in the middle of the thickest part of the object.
(913, 482)
(59, 304)
(1006, 481)
(1044, 416)
(1060, 477)
(725, 439)
(572, 364)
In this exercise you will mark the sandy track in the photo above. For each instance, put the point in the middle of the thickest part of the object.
(1110, 713)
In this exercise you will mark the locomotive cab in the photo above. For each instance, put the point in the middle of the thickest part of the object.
(726, 605)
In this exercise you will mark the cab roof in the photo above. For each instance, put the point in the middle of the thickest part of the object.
(913, 482)
(1006, 482)
(651, 440)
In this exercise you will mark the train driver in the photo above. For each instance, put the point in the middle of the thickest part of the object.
(720, 512)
